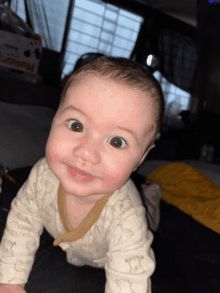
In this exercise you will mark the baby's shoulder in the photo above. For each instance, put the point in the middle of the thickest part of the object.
(41, 168)
(42, 174)
(125, 198)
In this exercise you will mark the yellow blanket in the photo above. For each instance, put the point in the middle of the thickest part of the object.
(191, 191)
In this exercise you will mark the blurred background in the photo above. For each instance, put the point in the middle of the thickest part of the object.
(178, 41)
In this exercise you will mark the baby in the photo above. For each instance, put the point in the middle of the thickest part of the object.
(109, 116)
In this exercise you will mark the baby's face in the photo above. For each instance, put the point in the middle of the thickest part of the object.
(101, 128)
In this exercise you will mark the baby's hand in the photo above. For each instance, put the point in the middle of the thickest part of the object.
(12, 288)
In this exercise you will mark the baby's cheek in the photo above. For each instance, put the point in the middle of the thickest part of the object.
(54, 156)
(112, 180)
(117, 181)
(51, 153)
(65, 145)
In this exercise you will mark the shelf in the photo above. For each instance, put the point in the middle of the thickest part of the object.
(19, 75)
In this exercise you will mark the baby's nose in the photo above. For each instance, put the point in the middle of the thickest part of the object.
(88, 152)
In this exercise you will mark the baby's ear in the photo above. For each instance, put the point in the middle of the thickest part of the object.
(144, 155)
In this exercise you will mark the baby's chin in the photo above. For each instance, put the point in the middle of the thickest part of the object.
(84, 189)
(91, 191)
(85, 199)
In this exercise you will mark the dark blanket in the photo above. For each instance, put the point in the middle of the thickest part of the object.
(187, 255)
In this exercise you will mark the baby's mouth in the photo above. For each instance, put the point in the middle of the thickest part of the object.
(79, 175)
(80, 172)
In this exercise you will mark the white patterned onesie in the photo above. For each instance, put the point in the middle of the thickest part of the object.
(113, 236)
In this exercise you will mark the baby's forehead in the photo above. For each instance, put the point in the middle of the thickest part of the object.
(84, 77)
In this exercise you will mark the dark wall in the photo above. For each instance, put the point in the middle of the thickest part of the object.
(50, 67)
(27, 93)
(207, 86)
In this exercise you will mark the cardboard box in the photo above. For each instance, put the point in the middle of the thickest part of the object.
(20, 53)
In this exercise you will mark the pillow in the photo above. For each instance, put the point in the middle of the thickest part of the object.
(212, 171)
(24, 131)
(191, 191)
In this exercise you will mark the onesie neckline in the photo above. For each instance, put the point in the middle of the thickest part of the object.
(75, 234)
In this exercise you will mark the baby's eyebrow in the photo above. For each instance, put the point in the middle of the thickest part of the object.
(129, 131)
(150, 128)
(71, 107)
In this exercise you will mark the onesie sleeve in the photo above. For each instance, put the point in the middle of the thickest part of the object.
(130, 259)
(21, 236)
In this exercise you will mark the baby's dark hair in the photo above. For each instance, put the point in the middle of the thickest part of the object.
(125, 71)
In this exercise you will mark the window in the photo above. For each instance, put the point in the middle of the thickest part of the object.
(176, 100)
(99, 27)
(19, 8)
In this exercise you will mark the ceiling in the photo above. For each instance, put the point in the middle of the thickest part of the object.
(184, 10)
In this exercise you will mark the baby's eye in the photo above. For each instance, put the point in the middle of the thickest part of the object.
(117, 142)
(75, 125)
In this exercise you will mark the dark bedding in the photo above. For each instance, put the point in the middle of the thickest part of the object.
(187, 255)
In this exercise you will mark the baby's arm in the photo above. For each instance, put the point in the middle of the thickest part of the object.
(12, 288)
(22, 234)
(130, 259)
